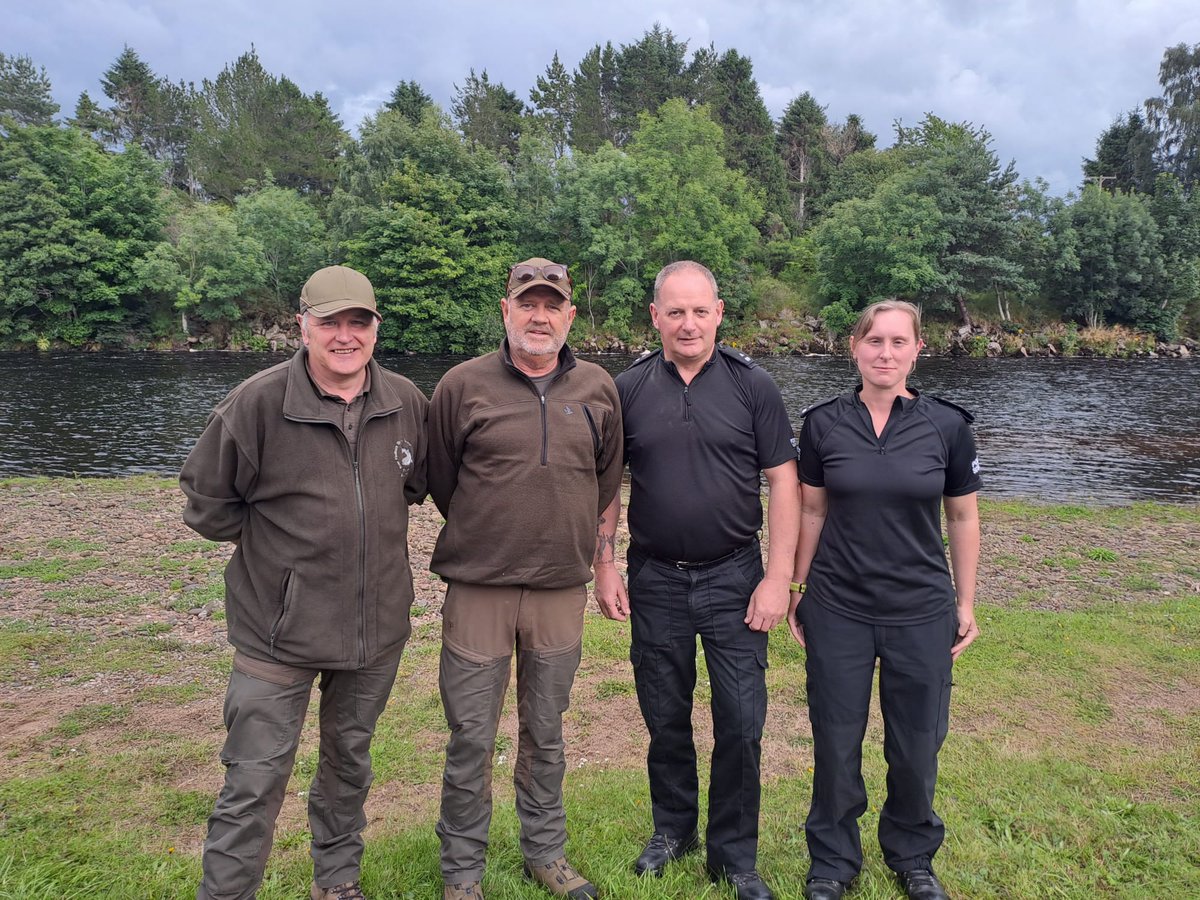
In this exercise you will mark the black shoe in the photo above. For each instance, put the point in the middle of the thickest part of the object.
(824, 889)
(922, 884)
(749, 885)
(661, 850)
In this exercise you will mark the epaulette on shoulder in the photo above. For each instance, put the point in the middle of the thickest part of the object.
(804, 412)
(735, 354)
(645, 357)
(954, 406)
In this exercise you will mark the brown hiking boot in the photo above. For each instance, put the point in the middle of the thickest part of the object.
(560, 878)
(465, 890)
(347, 891)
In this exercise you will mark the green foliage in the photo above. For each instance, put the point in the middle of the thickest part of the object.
(89, 118)
(1124, 156)
(429, 221)
(773, 297)
(25, 94)
(536, 179)
(642, 154)
(690, 204)
(595, 215)
(885, 245)
(147, 111)
(954, 165)
(1070, 339)
(647, 74)
(489, 115)
(1112, 268)
(1175, 116)
(256, 127)
(410, 100)
(593, 86)
(553, 100)
(732, 95)
(74, 223)
(1178, 219)
(208, 266)
(801, 147)
(292, 237)
(838, 318)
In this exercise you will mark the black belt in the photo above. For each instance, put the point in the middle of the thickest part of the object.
(685, 565)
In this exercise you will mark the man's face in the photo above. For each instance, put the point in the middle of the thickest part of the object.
(537, 322)
(340, 345)
(687, 314)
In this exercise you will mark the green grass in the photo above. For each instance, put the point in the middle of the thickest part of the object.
(87, 718)
(35, 649)
(1072, 767)
(49, 571)
(1059, 787)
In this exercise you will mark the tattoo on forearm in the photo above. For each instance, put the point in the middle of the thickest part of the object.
(606, 544)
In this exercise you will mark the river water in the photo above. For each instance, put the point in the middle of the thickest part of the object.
(1065, 430)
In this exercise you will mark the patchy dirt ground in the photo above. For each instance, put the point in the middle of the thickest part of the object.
(108, 560)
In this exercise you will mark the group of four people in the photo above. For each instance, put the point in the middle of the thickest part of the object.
(309, 466)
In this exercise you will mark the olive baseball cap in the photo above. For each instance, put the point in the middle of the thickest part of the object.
(538, 272)
(334, 288)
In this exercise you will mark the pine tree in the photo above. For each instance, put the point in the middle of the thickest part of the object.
(25, 94)
(552, 98)
(410, 101)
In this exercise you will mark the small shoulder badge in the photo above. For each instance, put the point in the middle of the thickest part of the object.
(954, 406)
(735, 354)
(646, 355)
(804, 412)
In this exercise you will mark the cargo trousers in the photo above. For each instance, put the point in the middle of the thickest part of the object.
(482, 625)
(672, 604)
(914, 697)
(265, 706)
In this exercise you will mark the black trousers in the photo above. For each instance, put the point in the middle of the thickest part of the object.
(670, 608)
(914, 696)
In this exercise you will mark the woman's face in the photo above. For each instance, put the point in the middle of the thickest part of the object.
(887, 353)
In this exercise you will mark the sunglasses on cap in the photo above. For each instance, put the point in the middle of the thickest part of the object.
(523, 273)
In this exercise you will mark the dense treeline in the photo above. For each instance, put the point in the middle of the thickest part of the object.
(172, 209)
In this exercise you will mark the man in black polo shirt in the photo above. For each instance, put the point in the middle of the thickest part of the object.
(701, 423)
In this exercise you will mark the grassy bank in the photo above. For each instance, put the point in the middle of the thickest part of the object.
(1072, 768)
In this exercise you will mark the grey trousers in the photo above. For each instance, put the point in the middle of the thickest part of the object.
(264, 713)
(481, 627)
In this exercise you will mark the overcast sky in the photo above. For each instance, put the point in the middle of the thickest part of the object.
(1045, 77)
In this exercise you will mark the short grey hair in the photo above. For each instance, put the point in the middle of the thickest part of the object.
(684, 265)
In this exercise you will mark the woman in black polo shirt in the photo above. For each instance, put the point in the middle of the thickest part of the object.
(877, 466)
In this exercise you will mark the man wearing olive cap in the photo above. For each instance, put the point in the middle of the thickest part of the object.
(524, 454)
(309, 467)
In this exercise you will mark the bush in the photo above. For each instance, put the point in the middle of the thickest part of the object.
(937, 338)
(769, 297)
(1070, 339)
(1012, 344)
(838, 318)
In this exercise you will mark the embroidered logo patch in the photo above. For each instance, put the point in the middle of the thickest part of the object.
(567, 411)
(403, 454)
(975, 466)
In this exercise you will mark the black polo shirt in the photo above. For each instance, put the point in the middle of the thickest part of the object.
(695, 452)
(881, 558)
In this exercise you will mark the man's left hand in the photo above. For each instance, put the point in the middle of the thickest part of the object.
(768, 605)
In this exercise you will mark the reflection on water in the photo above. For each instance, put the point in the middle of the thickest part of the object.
(1052, 429)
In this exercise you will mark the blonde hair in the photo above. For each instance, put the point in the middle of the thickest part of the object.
(867, 318)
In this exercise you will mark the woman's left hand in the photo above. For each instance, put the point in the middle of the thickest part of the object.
(968, 630)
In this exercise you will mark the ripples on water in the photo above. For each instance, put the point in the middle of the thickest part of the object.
(1050, 429)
